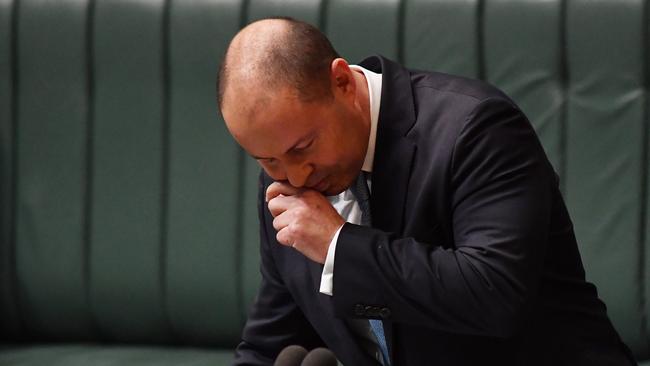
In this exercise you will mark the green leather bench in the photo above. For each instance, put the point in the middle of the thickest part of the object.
(128, 233)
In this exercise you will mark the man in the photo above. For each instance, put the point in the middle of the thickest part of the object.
(457, 249)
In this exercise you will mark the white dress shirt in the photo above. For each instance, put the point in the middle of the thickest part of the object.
(345, 203)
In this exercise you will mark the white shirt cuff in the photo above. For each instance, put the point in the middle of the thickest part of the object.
(327, 277)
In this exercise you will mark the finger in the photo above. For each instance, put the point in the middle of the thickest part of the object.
(282, 220)
(285, 237)
(280, 204)
(277, 188)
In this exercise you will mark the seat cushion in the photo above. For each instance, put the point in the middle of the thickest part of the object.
(89, 354)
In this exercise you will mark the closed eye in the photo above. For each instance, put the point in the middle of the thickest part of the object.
(299, 149)
(266, 160)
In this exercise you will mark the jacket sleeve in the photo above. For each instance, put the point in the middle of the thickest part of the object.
(481, 283)
(274, 321)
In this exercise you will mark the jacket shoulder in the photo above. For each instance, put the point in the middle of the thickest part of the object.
(472, 91)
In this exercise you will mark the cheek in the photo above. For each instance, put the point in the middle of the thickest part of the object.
(336, 147)
(336, 172)
(327, 160)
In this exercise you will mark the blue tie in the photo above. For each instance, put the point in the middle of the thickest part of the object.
(362, 194)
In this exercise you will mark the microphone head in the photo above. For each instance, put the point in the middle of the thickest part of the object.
(291, 356)
(320, 357)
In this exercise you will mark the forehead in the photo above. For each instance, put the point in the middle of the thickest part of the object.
(270, 125)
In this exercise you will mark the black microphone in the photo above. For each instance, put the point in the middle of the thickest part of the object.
(290, 356)
(320, 357)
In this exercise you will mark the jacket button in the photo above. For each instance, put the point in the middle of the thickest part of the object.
(359, 310)
(373, 311)
(384, 313)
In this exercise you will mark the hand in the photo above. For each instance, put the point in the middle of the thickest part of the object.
(304, 219)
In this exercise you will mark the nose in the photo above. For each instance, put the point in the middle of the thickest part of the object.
(297, 174)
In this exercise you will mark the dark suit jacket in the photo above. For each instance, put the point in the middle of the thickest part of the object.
(471, 259)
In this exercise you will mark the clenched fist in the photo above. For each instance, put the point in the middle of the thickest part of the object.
(304, 219)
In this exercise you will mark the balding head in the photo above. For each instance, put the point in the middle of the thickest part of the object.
(296, 107)
(274, 54)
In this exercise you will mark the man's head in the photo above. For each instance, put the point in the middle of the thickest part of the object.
(294, 105)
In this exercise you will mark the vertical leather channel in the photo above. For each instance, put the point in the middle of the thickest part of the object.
(604, 155)
(378, 35)
(127, 289)
(441, 35)
(10, 318)
(523, 53)
(644, 271)
(203, 290)
(305, 10)
(250, 234)
(50, 146)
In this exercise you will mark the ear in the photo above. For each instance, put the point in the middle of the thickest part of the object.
(342, 80)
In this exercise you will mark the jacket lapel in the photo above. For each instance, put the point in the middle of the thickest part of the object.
(389, 187)
(394, 151)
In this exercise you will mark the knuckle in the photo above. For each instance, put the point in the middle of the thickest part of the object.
(281, 237)
(301, 211)
(276, 224)
(294, 229)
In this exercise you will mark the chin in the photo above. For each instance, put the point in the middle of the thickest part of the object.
(332, 190)
(335, 189)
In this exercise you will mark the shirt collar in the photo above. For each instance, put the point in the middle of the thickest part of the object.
(374, 95)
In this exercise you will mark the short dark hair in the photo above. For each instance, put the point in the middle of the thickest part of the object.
(300, 59)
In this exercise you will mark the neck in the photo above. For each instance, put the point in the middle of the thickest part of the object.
(363, 97)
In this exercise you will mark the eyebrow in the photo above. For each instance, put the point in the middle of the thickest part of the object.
(288, 150)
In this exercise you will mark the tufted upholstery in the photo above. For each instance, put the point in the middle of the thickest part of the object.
(127, 215)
